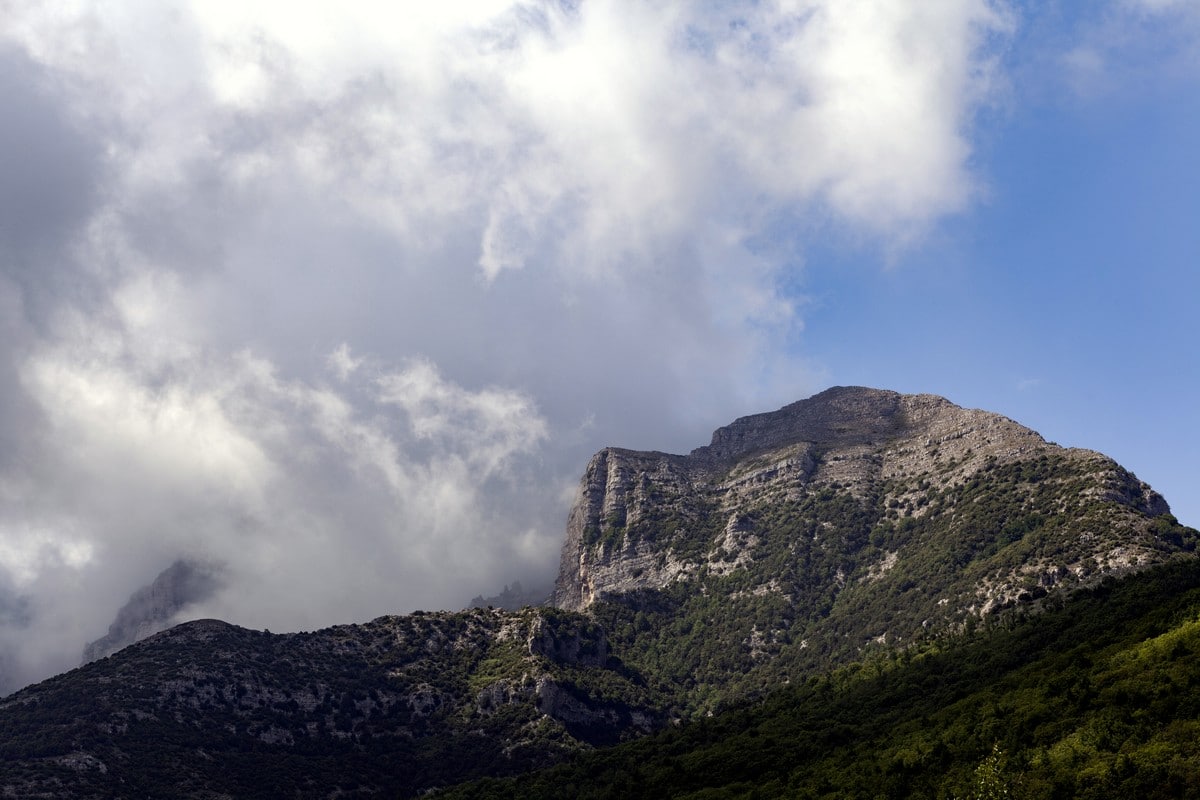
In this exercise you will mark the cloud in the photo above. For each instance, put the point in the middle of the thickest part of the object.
(1123, 46)
(597, 130)
(324, 501)
(363, 288)
(50, 168)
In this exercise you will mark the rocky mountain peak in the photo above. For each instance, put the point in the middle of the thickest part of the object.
(840, 415)
(645, 520)
(848, 416)
(156, 606)
(856, 527)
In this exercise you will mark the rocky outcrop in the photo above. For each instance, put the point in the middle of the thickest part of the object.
(155, 607)
(643, 520)
(512, 597)
(568, 643)
(622, 488)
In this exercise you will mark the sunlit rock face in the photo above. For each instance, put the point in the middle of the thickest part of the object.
(645, 520)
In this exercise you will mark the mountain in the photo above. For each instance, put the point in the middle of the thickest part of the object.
(850, 528)
(152, 608)
(901, 464)
(1093, 699)
(854, 520)
(513, 597)
(393, 706)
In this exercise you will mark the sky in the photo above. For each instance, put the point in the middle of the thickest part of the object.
(338, 299)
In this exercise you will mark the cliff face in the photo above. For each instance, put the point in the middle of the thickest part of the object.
(647, 520)
(622, 488)
(153, 608)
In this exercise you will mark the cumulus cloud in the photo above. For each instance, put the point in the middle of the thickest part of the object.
(341, 297)
(598, 129)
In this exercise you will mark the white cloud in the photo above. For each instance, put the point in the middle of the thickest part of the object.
(25, 554)
(595, 130)
(322, 504)
(342, 363)
(1117, 47)
(354, 274)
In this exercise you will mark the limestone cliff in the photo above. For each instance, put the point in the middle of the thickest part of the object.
(645, 520)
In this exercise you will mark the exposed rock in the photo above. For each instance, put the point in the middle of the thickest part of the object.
(156, 607)
(520, 689)
(643, 520)
(568, 642)
(512, 598)
(501, 693)
(595, 721)
(620, 488)
(795, 543)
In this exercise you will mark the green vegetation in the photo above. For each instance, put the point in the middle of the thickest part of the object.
(1097, 698)
(826, 576)
(393, 706)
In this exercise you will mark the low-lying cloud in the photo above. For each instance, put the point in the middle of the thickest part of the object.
(341, 299)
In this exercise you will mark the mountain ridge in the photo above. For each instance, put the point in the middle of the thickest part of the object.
(848, 437)
(833, 531)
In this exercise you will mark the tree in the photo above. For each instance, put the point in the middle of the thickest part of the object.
(991, 782)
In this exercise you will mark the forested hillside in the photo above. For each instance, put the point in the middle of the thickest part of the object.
(1096, 697)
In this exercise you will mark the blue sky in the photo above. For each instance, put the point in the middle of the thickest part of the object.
(339, 299)
(1065, 298)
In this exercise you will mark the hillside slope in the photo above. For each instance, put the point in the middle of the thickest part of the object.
(1096, 698)
(393, 706)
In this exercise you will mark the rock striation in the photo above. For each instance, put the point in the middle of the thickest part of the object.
(644, 520)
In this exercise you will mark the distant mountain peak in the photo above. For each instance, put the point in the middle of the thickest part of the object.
(156, 606)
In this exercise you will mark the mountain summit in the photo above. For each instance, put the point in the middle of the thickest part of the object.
(854, 484)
